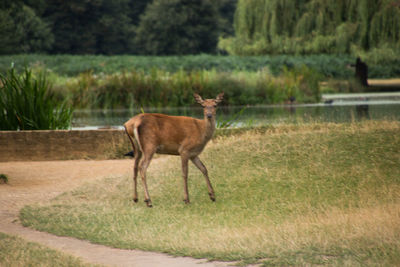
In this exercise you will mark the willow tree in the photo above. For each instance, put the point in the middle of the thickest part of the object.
(313, 26)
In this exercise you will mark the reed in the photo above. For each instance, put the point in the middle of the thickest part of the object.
(159, 88)
(27, 103)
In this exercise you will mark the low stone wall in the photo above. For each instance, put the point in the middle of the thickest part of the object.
(63, 144)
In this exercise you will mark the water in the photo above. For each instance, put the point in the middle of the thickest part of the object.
(345, 111)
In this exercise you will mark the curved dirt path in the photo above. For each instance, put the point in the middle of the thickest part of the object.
(33, 182)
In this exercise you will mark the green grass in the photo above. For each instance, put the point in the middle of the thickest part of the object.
(333, 66)
(286, 195)
(15, 251)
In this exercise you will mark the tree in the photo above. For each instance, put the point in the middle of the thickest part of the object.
(178, 27)
(314, 26)
(226, 10)
(90, 27)
(115, 32)
(22, 31)
(136, 9)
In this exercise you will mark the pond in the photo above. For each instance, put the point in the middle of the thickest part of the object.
(344, 111)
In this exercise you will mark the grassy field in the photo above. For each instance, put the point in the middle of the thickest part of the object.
(16, 252)
(306, 194)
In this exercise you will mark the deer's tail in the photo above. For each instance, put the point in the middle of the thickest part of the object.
(131, 129)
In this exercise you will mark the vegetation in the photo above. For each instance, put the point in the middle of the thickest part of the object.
(162, 89)
(330, 66)
(143, 81)
(245, 27)
(156, 35)
(314, 26)
(113, 27)
(22, 30)
(291, 195)
(15, 251)
(27, 103)
(3, 178)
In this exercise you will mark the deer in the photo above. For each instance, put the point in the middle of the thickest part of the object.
(151, 133)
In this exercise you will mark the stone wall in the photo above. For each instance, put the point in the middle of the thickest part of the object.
(63, 144)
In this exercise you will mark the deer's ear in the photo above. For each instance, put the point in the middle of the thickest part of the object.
(198, 99)
(219, 97)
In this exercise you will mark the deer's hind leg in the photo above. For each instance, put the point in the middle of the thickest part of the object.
(143, 165)
(138, 156)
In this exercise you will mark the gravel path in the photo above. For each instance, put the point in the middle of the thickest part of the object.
(33, 182)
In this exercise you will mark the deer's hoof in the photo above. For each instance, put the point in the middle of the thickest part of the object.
(148, 203)
(212, 197)
(135, 200)
(187, 201)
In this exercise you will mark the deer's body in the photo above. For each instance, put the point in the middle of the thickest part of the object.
(184, 133)
(173, 135)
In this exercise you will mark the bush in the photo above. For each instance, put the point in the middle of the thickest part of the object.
(27, 103)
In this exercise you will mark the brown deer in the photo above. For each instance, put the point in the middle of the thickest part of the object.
(152, 133)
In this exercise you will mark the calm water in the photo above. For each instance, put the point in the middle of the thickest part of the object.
(255, 115)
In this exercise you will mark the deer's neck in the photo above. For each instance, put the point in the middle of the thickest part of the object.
(209, 128)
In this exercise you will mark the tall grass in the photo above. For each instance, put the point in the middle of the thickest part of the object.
(164, 89)
(294, 195)
(27, 103)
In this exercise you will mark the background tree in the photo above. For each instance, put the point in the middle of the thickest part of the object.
(314, 26)
(21, 30)
(178, 27)
(110, 27)
(90, 27)
(226, 10)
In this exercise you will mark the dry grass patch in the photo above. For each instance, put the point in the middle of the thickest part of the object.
(287, 195)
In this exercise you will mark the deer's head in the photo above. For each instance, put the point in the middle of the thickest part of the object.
(209, 105)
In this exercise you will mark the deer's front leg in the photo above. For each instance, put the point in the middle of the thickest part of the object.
(185, 160)
(196, 161)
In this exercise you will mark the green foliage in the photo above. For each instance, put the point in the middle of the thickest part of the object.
(178, 27)
(89, 27)
(313, 26)
(27, 103)
(23, 31)
(163, 89)
(3, 178)
(110, 27)
(72, 65)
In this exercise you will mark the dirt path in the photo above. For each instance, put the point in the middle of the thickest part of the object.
(33, 182)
